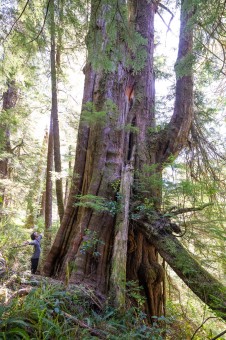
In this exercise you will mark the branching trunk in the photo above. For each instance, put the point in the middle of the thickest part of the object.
(173, 139)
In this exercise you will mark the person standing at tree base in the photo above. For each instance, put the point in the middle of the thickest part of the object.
(35, 241)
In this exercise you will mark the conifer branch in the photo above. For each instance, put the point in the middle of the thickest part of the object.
(172, 16)
(185, 210)
(23, 10)
(43, 25)
(212, 35)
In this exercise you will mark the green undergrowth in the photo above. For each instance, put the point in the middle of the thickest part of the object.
(52, 311)
(33, 307)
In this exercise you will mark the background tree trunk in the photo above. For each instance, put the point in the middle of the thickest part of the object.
(48, 195)
(54, 114)
(35, 196)
(9, 102)
(68, 179)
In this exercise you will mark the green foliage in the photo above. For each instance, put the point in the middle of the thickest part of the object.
(160, 68)
(99, 204)
(108, 37)
(145, 208)
(131, 128)
(191, 319)
(116, 185)
(96, 203)
(91, 116)
(90, 243)
(134, 291)
(136, 44)
(184, 66)
(148, 182)
(13, 235)
(54, 312)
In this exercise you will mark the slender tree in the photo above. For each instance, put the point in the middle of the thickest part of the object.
(54, 114)
(48, 193)
(9, 102)
(34, 204)
(68, 179)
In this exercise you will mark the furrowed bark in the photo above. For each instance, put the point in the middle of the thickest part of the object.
(142, 260)
(202, 283)
(119, 257)
(97, 165)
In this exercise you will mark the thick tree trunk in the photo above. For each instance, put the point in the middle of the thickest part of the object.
(105, 147)
(98, 164)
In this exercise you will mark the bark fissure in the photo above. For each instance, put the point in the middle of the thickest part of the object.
(119, 256)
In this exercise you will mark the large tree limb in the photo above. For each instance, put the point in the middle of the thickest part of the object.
(186, 210)
(203, 284)
(172, 139)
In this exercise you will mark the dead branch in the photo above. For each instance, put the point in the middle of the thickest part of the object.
(211, 317)
(217, 337)
(44, 22)
(22, 12)
(19, 293)
(21, 143)
(186, 210)
(84, 325)
(172, 16)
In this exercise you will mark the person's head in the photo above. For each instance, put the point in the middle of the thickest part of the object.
(34, 235)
